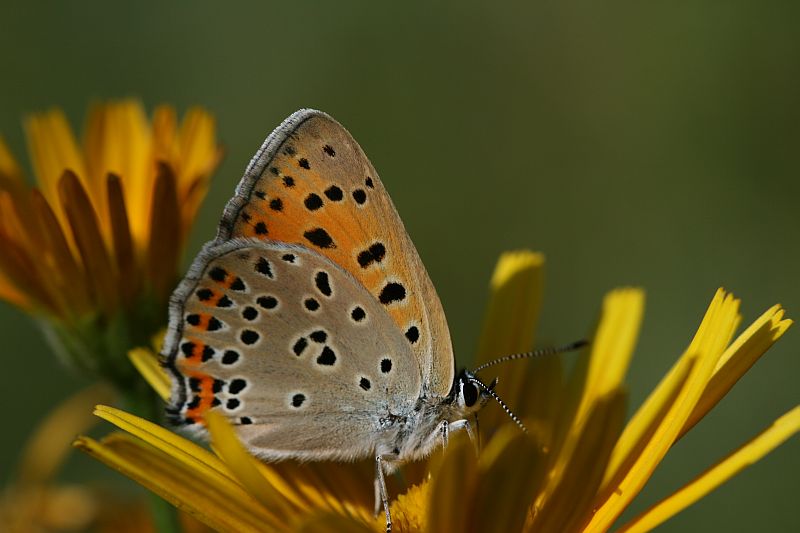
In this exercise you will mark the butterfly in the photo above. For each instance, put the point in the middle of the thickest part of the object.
(310, 320)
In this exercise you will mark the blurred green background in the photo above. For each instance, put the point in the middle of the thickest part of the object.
(634, 143)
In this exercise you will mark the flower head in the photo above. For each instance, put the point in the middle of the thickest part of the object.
(93, 250)
(34, 500)
(579, 471)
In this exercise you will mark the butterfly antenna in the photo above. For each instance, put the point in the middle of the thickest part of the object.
(535, 353)
(494, 395)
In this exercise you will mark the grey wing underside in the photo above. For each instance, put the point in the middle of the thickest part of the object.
(290, 347)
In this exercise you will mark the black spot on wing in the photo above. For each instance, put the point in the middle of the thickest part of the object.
(323, 283)
(236, 386)
(263, 267)
(267, 302)
(360, 196)
(299, 346)
(218, 274)
(334, 193)
(313, 202)
(392, 292)
(319, 336)
(249, 337)
(208, 353)
(374, 254)
(320, 238)
(327, 357)
(230, 357)
(358, 314)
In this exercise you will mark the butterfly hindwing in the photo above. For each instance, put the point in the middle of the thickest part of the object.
(290, 347)
(310, 184)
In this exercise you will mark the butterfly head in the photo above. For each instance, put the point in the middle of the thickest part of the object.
(470, 393)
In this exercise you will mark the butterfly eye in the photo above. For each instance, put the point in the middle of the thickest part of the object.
(470, 392)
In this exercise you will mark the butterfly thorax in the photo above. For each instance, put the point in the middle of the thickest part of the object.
(417, 434)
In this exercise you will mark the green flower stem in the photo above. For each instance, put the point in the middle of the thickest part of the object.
(143, 401)
(165, 516)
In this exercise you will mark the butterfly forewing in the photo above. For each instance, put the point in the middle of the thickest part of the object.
(290, 347)
(312, 185)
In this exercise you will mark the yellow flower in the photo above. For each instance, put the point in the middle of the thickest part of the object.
(579, 471)
(35, 501)
(94, 250)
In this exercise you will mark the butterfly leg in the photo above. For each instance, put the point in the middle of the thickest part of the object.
(464, 424)
(381, 496)
(444, 429)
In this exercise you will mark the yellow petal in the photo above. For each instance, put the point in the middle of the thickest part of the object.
(53, 150)
(164, 134)
(242, 464)
(454, 475)
(334, 523)
(711, 340)
(10, 172)
(50, 443)
(157, 340)
(513, 311)
(65, 277)
(180, 449)
(569, 504)
(199, 155)
(79, 211)
(164, 241)
(640, 428)
(511, 468)
(509, 325)
(737, 360)
(126, 259)
(148, 366)
(198, 148)
(343, 488)
(750, 453)
(187, 488)
(652, 412)
(117, 141)
(10, 293)
(599, 374)
(22, 275)
(613, 343)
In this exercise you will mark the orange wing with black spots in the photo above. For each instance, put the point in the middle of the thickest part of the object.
(311, 184)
